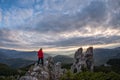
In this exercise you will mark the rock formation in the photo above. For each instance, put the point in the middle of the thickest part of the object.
(89, 58)
(83, 61)
(50, 71)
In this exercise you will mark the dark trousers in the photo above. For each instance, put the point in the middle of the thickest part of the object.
(40, 60)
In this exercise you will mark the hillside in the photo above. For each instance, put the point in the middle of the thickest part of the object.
(16, 63)
(63, 59)
(5, 70)
(101, 56)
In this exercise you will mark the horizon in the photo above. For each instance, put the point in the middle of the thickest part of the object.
(59, 25)
(68, 52)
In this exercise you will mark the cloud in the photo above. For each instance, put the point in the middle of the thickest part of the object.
(26, 3)
(65, 39)
(61, 23)
(83, 41)
(93, 14)
(96, 11)
(60, 5)
(16, 16)
(5, 40)
(75, 38)
(0, 16)
(115, 21)
(113, 7)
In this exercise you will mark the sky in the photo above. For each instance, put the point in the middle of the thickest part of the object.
(59, 26)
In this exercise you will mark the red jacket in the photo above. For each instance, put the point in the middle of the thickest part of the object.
(40, 54)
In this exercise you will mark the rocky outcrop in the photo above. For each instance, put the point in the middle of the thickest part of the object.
(82, 60)
(50, 71)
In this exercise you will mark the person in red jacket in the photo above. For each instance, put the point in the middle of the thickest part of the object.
(40, 56)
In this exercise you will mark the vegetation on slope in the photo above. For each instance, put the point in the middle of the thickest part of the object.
(91, 76)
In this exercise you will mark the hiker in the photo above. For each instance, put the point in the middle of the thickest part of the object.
(40, 56)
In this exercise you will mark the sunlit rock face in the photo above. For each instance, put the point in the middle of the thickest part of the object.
(50, 71)
(83, 61)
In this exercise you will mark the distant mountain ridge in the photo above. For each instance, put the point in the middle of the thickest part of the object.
(18, 59)
(23, 58)
(15, 58)
(28, 55)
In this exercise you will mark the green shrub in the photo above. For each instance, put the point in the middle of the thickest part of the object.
(91, 76)
(68, 76)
